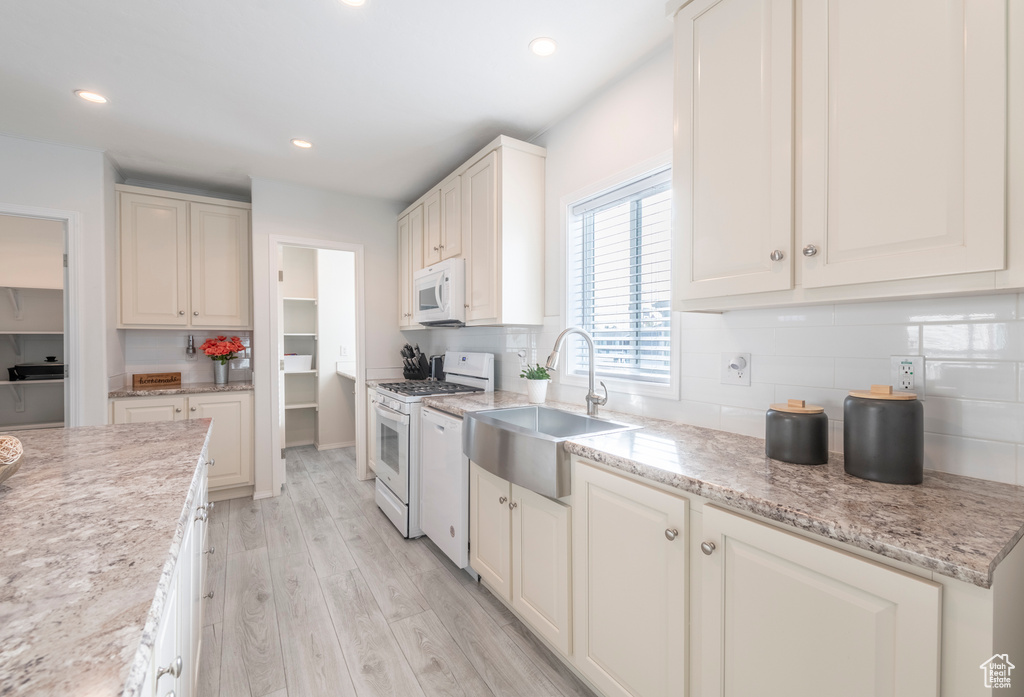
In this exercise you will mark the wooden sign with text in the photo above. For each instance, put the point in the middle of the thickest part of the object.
(154, 381)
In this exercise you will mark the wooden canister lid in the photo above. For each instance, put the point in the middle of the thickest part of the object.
(798, 406)
(884, 392)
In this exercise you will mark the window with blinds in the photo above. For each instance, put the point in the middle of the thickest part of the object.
(620, 290)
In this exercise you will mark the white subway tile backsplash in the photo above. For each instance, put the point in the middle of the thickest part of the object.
(971, 379)
(748, 422)
(756, 396)
(835, 436)
(811, 316)
(851, 342)
(685, 411)
(1020, 465)
(700, 365)
(861, 373)
(971, 458)
(831, 399)
(988, 308)
(1000, 421)
(983, 341)
(808, 371)
(723, 339)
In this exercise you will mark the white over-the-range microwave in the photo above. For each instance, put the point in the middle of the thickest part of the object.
(439, 294)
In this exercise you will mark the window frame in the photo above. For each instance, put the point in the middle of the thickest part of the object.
(570, 275)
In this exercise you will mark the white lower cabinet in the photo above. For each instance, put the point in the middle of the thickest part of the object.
(630, 585)
(784, 616)
(231, 442)
(519, 544)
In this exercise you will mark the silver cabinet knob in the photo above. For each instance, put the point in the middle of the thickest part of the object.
(211, 462)
(436, 249)
(503, 499)
(810, 250)
(707, 547)
(442, 247)
(777, 255)
(210, 505)
(174, 669)
(512, 505)
(467, 306)
(191, 408)
(170, 694)
(209, 595)
(195, 313)
(202, 515)
(671, 534)
(177, 410)
(211, 550)
(181, 313)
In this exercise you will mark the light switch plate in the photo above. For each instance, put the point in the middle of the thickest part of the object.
(736, 369)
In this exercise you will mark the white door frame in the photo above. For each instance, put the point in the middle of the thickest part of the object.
(276, 242)
(73, 321)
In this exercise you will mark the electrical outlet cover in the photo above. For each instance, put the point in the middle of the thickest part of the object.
(906, 373)
(739, 375)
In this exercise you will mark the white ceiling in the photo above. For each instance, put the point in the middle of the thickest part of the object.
(394, 94)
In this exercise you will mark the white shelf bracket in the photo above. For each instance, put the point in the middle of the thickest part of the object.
(15, 298)
(16, 345)
(17, 392)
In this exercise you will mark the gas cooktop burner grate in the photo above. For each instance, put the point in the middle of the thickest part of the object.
(427, 388)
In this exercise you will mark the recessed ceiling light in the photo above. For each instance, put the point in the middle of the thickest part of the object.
(543, 46)
(354, 3)
(301, 143)
(91, 96)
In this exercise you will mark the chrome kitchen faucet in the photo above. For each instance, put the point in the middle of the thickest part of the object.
(594, 400)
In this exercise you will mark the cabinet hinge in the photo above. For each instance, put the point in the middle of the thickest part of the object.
(282, 364)
(282, 453)
(65, 261)
(280, 276)
(65, 370)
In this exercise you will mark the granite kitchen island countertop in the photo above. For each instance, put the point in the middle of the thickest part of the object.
(956, 526)
(92, 524)
(184, 388)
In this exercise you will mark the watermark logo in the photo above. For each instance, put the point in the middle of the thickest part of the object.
(997, 671)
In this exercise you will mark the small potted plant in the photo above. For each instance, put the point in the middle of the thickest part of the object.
(221, 350)
(537, 380)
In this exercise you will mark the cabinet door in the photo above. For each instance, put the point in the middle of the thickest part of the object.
(231, 439)
(490, 537)
(416, 229)
(630, 584)
(165, 647)
(480, 238)
(371, 429)
(219, 270)
(137, 410)
(451, 218)
(198, 581)
(783, 615)
(184, 571)
(904, 139)
(404, 273)
(540, 565)
(733, 171)
(154, 260)
(432, 252)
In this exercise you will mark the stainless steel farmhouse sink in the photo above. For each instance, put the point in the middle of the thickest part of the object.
(524, 444)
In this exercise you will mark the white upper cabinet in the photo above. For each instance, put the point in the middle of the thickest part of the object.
(734, 150)
(904, 139)
(490, 212)
(184, 261)
(154, 260)
(885, 121)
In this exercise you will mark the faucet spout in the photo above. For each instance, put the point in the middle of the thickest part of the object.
(594, 400)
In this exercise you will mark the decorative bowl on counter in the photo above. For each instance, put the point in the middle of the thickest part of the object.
(10, 456)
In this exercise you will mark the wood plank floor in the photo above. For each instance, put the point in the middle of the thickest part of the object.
(318, 594)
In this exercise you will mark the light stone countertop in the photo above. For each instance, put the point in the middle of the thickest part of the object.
(186, 388)
(92, 524)
(956, 526)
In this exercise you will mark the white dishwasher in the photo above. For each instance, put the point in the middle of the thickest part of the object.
(444, 485)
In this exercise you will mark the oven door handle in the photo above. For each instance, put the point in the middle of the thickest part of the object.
(437, 293)
(385, 412)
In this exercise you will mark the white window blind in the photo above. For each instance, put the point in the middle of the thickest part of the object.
(620, 291)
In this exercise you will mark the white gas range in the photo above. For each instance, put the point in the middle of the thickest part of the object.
(397, 438)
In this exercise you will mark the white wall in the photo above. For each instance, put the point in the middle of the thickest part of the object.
(37, 245)
(279, 208)
(51, 176)
(973, 346)
(336, 326)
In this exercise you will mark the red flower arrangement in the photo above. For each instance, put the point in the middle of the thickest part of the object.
(222, 348)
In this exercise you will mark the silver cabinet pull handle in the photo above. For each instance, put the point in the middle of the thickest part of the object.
(671, 534)
(174, 669)
(810, 250)
(191, 408)
(209, 595)
(177, 410)
(201, 515)
(503, 499)
(181, 313)
(707, 547)
(512, 505)
(211, 462)
(436, 249)
(195, 313)
(777, 255)
(211, 550)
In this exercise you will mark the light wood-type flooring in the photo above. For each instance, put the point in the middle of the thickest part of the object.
(318, 594)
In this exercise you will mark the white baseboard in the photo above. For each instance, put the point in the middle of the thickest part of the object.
(231, 492)
(332, 446)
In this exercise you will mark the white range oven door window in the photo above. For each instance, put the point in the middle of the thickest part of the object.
(392, 451)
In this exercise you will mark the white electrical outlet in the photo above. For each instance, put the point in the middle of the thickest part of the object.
(907, 373)
(344, 351)
(736, 369)
(522, 358)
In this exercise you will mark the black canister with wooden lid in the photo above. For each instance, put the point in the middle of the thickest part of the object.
(796, 432)
(883, 435)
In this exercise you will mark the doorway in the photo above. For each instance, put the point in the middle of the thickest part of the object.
(318, 335)
(33, 323)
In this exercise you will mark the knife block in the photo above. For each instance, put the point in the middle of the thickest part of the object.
(418, 370)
